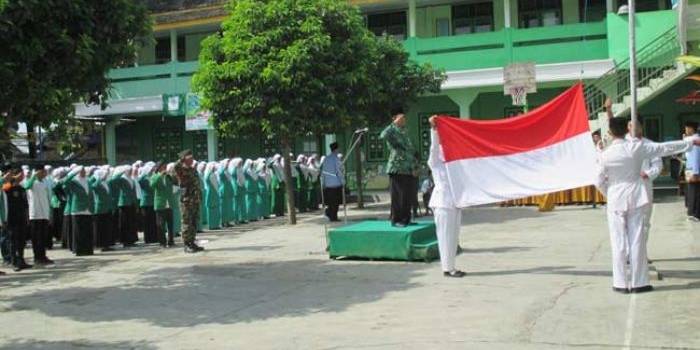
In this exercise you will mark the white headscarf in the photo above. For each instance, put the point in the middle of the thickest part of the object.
(223, 166)
(240, 176)
(313, 167)
(277, 167)
(263, 171)
(201, 167)
(248, 168)
(210, 174)
(301, 162)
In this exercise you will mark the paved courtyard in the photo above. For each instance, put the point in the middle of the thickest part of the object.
(535, 281)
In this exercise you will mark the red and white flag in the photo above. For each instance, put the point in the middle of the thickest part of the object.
(546, 150)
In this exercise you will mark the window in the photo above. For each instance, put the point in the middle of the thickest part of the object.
(647, 5)
(472, 18)
(391, 24)
(442, 27)
(591, 10)
(539, 13)
(163, 49)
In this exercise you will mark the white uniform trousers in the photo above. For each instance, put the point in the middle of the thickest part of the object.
(628, 228)
(447, 224)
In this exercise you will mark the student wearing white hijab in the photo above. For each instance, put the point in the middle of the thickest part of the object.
(277, 186)
(80, 206)
(211, 196)
(238, 187)
(301, 185)
(251, 189)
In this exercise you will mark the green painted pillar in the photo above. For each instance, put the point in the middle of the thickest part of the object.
(463, 98)
(212, 145)
(411, 18)
(111, 141)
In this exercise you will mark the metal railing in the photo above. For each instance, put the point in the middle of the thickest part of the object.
(652, 60)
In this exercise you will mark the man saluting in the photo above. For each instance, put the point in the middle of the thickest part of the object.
(190, 199)
(619, 179)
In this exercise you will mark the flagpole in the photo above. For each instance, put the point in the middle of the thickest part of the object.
(633, 66)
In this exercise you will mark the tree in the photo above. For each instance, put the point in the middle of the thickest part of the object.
(57, 52)
(289, 68)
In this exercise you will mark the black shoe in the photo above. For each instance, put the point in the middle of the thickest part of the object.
(17, 269)
(191, 249)
(621, 290)
(643, 289)
(24, 265)
(44, 262)
(454, 274)
(197, 248)
(107, 249)
(171, 244)
(2, 273)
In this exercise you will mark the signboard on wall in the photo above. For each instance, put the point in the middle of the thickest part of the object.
(195, 117)
(173, 105)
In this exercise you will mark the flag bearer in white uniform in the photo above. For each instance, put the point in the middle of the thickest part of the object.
(448, 218)
(619, 179)
(651, 169)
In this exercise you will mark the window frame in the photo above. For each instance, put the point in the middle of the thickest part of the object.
(537, 11)
(472, 18)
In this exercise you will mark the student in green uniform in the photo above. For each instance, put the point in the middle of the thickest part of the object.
(301, 184)
(238, 186)
(211, 195)
(314, 186)
(277, 186)
(162, 184)
(58, 205)
(175, 200)
(251, 187)
(101, 210)
(79, 206)
(225, 193)
(146, 203)
(125, 189)
(264, 179)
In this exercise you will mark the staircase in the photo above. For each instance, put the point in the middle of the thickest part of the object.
(657, 70)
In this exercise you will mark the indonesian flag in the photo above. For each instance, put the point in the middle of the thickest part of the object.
(546, 150)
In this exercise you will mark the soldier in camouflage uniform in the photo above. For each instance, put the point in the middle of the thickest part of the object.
(190, 199)
(400, 168)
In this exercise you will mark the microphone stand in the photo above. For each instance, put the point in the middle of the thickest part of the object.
(357, 140)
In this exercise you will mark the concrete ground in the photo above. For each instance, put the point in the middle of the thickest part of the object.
(536, 281)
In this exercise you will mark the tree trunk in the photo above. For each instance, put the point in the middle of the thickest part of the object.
(31, 141)
(288, 180)
(358, 174)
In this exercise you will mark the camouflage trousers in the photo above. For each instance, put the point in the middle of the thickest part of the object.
(190, 217)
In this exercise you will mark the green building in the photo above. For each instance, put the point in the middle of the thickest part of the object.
(472, 40)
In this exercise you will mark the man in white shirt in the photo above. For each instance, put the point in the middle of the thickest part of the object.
(39, 213)
(619, 179)
(333, 182)
(651, 169)
(448, 218)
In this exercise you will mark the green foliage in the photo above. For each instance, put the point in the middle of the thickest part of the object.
(57, 52)
(295, 67)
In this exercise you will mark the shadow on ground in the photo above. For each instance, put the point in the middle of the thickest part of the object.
(27, 344)
(227, 293)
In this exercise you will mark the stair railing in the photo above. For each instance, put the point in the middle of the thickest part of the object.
(652, 60)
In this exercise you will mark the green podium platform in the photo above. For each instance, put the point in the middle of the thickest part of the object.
(379, 240)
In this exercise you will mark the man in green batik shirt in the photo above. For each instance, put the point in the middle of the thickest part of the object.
(400, 168)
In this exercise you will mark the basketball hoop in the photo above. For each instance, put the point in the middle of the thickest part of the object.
(518, 81)
(518, 94)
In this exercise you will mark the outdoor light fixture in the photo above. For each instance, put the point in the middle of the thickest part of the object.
(624, 10)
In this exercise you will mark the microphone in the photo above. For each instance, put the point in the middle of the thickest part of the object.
(359, 131)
